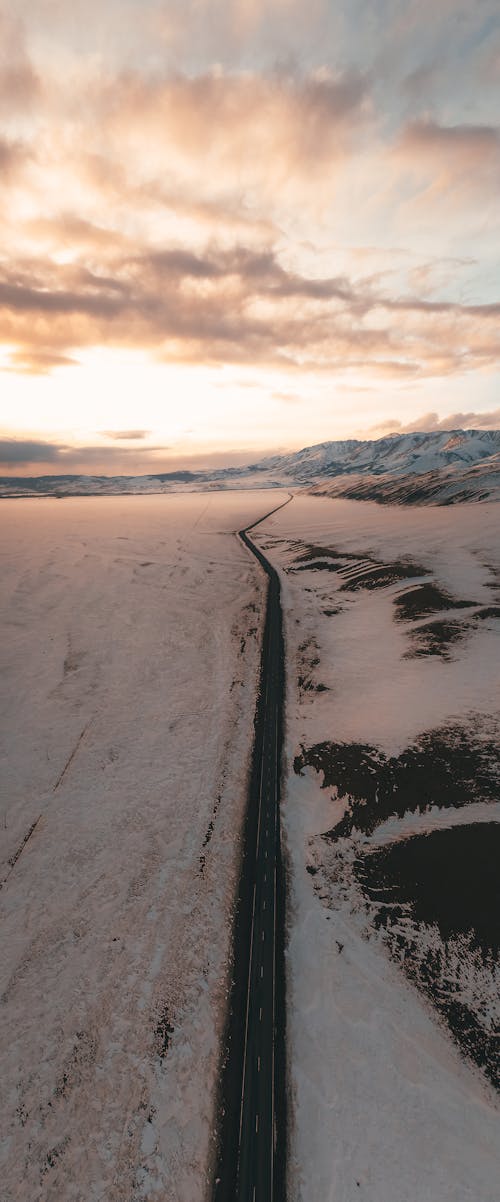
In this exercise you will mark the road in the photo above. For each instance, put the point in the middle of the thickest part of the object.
(252, 1153)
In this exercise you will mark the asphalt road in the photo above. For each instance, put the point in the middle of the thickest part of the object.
(252, 1151)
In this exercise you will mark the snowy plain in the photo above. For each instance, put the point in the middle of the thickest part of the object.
(129, 673)
(384, 1105)
(130, 657)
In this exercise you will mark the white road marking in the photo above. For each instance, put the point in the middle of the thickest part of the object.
(260, 1014)
(246, 1021)
(256, 1123)
(258, 1064)
(262, 970)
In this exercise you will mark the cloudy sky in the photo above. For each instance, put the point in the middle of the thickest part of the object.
(233, 226)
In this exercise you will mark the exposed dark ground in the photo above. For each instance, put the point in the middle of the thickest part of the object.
(451, 766)
(436, 638)
(449, 877)
(358, 571)
(423, 600)
(380, 575)
(434, 898)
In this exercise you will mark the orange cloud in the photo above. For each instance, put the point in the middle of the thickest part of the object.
(239, 306)
(428, 422)
(163, 209)
(249, 128)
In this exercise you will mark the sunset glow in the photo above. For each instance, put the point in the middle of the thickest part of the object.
(236, 228)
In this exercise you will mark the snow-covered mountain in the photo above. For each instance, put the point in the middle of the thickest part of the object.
(397, 453)
(443, 486)
(440, 467)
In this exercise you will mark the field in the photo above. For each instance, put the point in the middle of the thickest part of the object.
(129, 673)
(391, 820)
(129, 666)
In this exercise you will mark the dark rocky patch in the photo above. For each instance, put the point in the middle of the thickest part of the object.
(425, 599)
(446, 880)
(163, 1033)
(360, 571)
(317, 565)
(53, 1155)
(486, 613)
(209, 833)
(316, 552)
(309, 686)
(382, 575)
(451, 766)
(436, 638)
(479, 1044)
(432, 899)
(448, 877)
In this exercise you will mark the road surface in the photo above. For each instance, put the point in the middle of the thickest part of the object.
(252, 1153)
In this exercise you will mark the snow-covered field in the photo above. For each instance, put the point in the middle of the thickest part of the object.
(129, 668)
(393, 652)
(130, 653)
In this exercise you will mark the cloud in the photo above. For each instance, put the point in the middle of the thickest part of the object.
(19, 82)
(465, 142)
(250, 127)
(52, 458)
(419, 82)
(37, 361)
(68, 230)
(236, 305)
(288, 398)
(445, 157)
(457, 421)
(127, 435)
(192, 183)
(25, 451)
(13, 154)
(431, 422)
(64, 458)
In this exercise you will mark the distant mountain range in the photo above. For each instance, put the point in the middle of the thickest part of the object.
(441, 468)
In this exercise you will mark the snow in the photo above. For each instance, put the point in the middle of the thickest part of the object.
(435, 818)
(374, 693)
(384, 1106)
(397, 453)
(381, 1097)
(129, 668)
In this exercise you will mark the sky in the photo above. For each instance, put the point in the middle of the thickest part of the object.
(233, 227)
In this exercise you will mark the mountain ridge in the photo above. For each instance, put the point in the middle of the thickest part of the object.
(440, 467)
